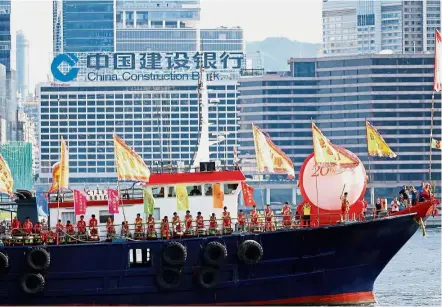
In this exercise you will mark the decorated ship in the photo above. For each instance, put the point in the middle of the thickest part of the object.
(219, 259)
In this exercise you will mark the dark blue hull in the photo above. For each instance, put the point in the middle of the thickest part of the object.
(337, 264)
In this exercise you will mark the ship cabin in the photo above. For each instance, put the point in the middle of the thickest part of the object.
(199, 185)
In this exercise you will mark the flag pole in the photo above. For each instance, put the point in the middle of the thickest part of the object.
(370, 175)
(431, 136)
(319, 172)
(120, 200)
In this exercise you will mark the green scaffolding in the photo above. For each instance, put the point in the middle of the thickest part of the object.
(18, 155)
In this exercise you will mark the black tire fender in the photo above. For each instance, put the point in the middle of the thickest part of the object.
(250, 252)
(38, 259)
(32, 283)
(4, 263)
(214, 253)
(208, 277)
(168, 278)
(174, 253)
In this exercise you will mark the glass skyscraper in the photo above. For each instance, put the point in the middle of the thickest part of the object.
(393, 92)
(5, 33)
(83, 26)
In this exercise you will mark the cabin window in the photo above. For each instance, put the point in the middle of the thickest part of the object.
(194, 190)
(230, 188)
(208, 190)
(68, 216)
(171, 192)
(140, 258)
(158, 192)
(103, 215)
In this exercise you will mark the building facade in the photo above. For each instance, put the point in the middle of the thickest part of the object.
(22, 59)
(393, 92)
(370, 26)
(163, 28)
(159, 120)
(5, 33)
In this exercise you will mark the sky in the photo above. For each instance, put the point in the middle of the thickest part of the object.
(295, 19)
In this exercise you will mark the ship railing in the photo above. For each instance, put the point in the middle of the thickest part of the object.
(221, 227)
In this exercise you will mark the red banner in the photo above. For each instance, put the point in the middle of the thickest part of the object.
(112, 201)
(80, 201)
(247, 193)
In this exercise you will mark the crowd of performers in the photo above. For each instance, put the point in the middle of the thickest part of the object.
(188, 226)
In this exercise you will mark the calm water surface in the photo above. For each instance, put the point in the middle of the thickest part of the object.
(413, 277)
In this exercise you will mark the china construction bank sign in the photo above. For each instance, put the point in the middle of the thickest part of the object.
(96, 67)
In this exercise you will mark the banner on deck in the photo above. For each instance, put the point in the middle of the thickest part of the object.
(218, 196)
(42, 203)
(182, 198)
(64, 166)
(55, 177)
(376, 144)
(113, 201)
(149, 201)
(247, 192)
(80, 202)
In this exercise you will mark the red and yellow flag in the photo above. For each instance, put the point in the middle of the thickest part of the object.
(218, 196)
(376, 144)
(269, 157)
(55, 177)
(6, 179)
(438, 62)
(64, 166)
(328, 154)
(129, 164)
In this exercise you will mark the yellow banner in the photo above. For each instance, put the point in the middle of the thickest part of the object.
(269, 157)
(376, 144)
(6, 179)
(55, 177)
(326, 153)
(64, 166)
(435, 144)
(218, 196)
(181, 198)
(129, 164)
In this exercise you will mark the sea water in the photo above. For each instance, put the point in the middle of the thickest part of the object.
(413, 277)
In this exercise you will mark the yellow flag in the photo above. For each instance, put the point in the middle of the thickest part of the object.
(55, 177)
(6, 179)
(64, 166)
(129, 164)
(376, 144)
(435, 144)
(218, 196)
(182, 199)
(326, 153)
(269, 157)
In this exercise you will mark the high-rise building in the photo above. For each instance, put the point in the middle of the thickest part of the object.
(158, 119)
(393, 92)
(141, 83)
(5, 33)
(370, 26)
(22, 60)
